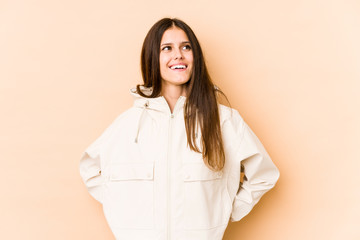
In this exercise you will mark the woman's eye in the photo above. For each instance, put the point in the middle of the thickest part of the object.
(187, 47)
(166, 48)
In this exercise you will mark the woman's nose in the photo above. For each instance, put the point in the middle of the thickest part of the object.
(178, 54)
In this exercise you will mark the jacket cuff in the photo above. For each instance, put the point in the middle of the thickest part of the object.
(240, 210)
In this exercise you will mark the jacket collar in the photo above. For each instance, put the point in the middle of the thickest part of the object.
(157, 103)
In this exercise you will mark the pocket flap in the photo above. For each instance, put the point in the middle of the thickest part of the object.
(132, 171)
(199, 172)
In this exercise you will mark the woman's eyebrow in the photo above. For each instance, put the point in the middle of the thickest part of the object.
(172, 43)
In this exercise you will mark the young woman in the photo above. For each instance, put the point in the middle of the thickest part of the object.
(169, 167)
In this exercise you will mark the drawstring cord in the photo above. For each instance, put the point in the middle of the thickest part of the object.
(146, 104)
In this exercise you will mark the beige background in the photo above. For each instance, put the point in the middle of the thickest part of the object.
(291, 68)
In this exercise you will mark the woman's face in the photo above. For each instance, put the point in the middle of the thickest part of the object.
(176, 57)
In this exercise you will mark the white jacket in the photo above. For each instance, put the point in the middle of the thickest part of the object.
(153, 187)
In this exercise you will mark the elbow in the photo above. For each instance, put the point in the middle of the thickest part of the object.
(270, 179)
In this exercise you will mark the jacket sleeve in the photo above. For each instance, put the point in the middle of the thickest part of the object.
(92, 162)
(90, 172)
(260, 174)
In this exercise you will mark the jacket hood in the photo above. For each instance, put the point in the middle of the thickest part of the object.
(157, 103)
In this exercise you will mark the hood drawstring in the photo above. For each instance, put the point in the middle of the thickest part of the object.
(146, 104)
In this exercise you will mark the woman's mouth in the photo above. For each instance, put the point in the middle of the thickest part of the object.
(178, 66)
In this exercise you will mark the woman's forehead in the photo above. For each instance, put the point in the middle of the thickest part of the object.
(174, 35)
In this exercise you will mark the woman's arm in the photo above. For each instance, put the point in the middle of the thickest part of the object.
(260, 174)
(90, 171)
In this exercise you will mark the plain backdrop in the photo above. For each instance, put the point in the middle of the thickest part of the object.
(291, 68)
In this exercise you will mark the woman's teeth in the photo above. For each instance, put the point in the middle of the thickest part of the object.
(178, 67)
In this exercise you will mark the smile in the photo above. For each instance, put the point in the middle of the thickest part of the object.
(178, 66)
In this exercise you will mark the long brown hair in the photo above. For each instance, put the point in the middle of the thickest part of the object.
(201, 106)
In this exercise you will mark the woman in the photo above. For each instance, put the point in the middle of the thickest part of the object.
(169, 167)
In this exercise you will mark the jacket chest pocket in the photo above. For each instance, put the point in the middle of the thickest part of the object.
(207, 203)
(129, 196)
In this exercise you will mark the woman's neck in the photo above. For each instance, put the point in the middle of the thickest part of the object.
(171, 93)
